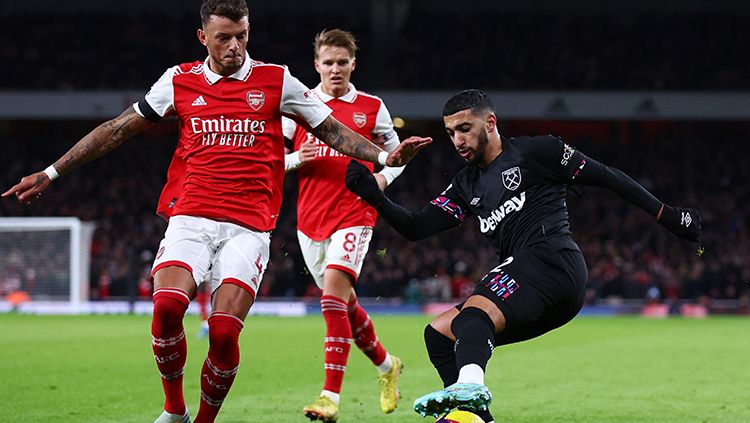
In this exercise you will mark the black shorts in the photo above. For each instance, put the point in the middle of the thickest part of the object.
(538, 288)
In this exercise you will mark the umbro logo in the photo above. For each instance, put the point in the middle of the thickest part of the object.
(199, 101)
(474, 201)
(686, 219)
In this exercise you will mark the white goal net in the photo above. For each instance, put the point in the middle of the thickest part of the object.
(46, 259)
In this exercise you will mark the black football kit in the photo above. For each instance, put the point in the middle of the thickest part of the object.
(519, 203)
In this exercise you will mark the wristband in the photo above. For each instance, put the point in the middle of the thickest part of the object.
(51, 173)
(382, 158)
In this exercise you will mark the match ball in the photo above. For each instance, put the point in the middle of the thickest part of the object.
(460, 416)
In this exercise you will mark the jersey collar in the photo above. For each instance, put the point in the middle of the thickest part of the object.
(349, 97)
(213, 77)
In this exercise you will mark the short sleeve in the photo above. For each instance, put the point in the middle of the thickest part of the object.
(562, 161)
(384, 129)
(298, 100)
(451, 202)
(159, 101)
(288, 127)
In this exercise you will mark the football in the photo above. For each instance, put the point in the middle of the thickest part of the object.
(460, 416)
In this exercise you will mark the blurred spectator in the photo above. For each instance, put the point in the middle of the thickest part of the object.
(700, 164)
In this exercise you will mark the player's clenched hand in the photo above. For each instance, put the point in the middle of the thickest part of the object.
(361, 181)
(683, 222)
(406, 150)
(307, 151)
(30, 188)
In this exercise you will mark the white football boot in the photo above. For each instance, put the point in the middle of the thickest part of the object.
(173, 418)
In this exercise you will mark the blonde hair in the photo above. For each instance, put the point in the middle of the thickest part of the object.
(336, 38)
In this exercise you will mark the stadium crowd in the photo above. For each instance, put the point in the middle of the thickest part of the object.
(522, 51)
(629, 256)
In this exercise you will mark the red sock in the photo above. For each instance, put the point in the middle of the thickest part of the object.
(338, 341)
(221, 365)
(364, 333)
(169, 344)
(202, 297)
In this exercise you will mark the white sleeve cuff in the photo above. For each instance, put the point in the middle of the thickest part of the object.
(292, 161)
(51, 172)
(382, 158)
(391, 173)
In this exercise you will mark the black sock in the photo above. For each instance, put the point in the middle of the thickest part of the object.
(475, 337)
(442, 356)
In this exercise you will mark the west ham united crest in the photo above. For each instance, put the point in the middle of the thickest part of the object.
(512, 178)
(255, 99)
(360, 119)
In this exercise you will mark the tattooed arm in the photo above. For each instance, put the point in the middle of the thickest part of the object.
(103, 139)
(348, 142)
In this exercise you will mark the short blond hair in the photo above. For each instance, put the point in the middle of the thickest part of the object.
(336, 38)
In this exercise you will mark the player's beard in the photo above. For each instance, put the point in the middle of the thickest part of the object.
(232, 65)
(478, 156)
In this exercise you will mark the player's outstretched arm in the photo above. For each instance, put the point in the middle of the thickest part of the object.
(103, 139)
(412, 226)
(683, 222)
(348, 142)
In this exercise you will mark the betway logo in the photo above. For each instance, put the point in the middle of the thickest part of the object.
(222, 125)
(490, 222)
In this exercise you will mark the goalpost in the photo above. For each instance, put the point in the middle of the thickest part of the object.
(48, 258)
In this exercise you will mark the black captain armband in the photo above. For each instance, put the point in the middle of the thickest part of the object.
(147, 111)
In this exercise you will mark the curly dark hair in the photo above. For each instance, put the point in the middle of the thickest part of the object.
(232, 9)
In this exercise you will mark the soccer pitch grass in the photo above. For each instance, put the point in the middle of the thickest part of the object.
(624, 369)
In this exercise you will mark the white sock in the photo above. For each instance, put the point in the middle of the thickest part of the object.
(385, 365)
(471, 373)
(336, 398)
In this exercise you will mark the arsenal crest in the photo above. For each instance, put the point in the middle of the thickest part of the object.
(255, 99)
(512, 178)
(360, 119)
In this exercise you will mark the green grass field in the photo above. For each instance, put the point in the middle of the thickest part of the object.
(100, 369)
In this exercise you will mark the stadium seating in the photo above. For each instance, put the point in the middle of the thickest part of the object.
(640, 51)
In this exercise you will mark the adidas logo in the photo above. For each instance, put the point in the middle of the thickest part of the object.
(199, 101)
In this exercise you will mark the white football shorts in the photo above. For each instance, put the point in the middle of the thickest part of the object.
(215, 252)
(345, 250)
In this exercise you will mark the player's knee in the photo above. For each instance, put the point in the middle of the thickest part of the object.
(224, 332)
(471, 315)
(169, 311)
(439, 346)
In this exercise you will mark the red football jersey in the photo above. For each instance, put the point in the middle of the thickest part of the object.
(324, 205)
(230, 138)
(173, 187)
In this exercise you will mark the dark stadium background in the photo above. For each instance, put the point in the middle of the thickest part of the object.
(565, 56)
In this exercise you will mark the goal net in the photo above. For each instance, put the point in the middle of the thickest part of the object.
(46, 259)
